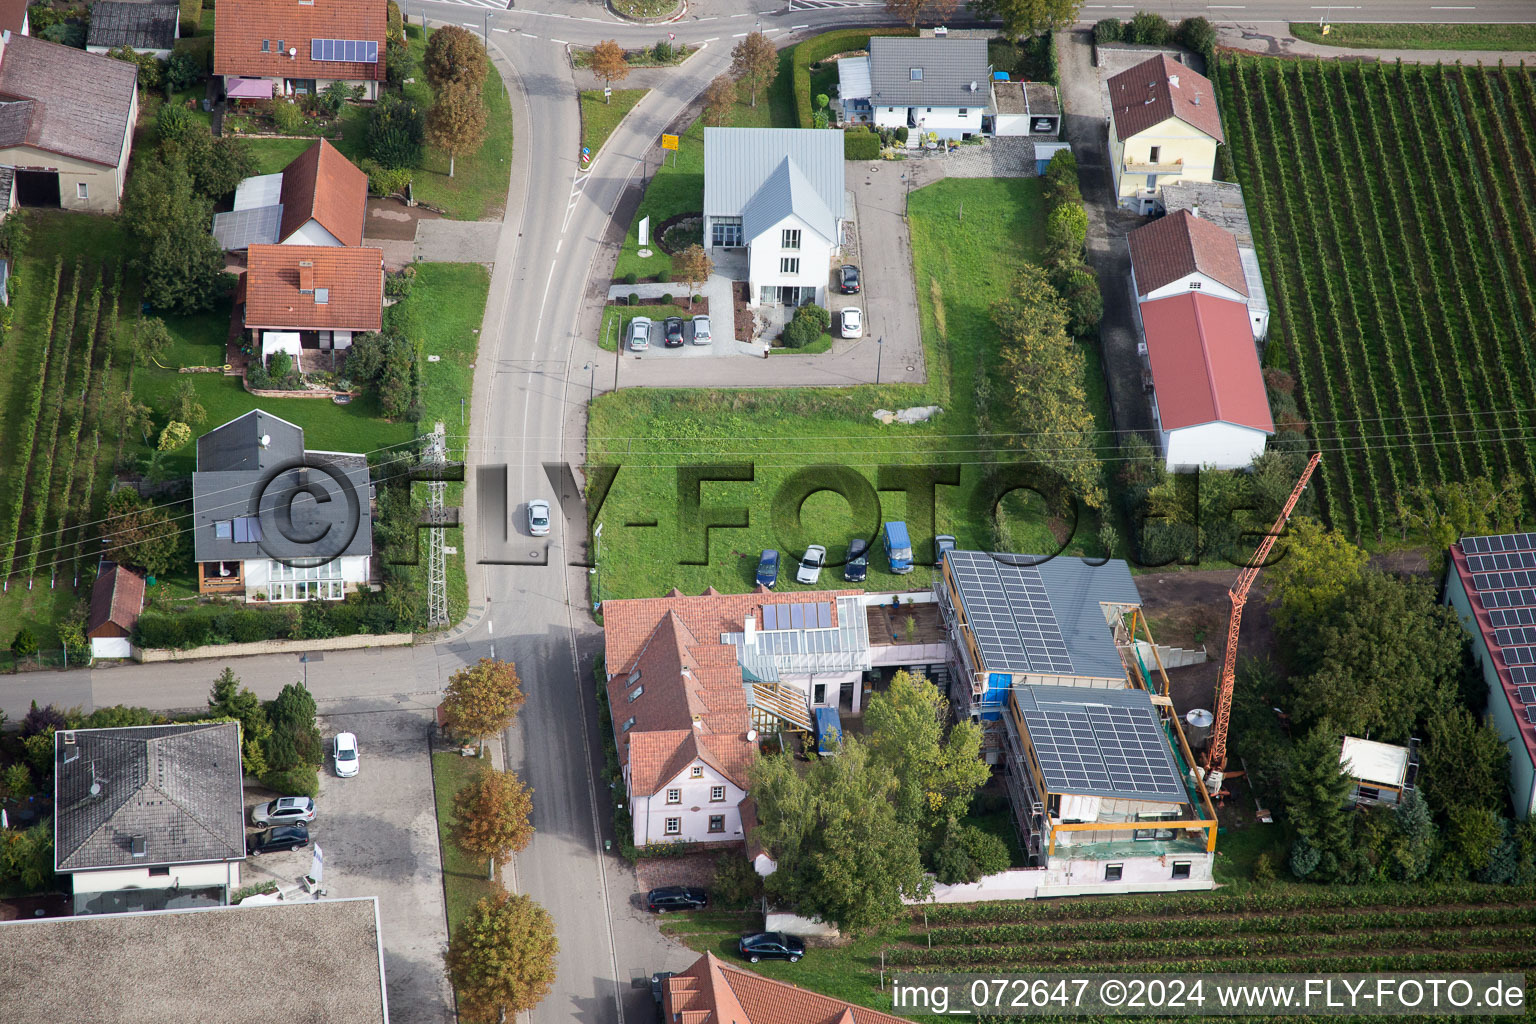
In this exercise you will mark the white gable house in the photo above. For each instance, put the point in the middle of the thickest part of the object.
(937, 86)
(779, 194)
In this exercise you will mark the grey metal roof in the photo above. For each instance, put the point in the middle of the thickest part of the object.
(239, 479)
(143, 26)
(1043, 615)
(948, 67)
(241, 229)
(790, 649)
(738, 161)
(853, 78)
(1100, 742)
(1253, 277)
(787, 192)
(176, 786)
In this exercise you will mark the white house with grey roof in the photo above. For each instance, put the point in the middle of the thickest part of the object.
(149, 817)
(778, 193)
(938, 85)
(274, 521)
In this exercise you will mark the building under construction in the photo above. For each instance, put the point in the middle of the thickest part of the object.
(1055, 659)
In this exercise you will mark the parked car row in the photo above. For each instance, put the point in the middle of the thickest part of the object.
(898, 552)
(674, 332)
(285, 821)
(753, 948)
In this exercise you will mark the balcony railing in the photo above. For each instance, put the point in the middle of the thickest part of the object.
(1165, 167)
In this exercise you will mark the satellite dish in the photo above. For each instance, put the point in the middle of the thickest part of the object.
(95, 788)
(973, 87)
(293, 51)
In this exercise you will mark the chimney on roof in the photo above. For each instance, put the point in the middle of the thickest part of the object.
(698, 723)
(1197, 97)
(751, 630)
(1173, 80)
(306, 277)
(1194, 211)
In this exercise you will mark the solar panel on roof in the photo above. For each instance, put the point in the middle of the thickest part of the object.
(352, 51)
(1501, 561)
(1515, 637)
(1527, 694)
(1523, 675)
(1102, 750)
(1010, 614)
(824, 615)
(241, 229)
(1519, 655)
(1530, 715)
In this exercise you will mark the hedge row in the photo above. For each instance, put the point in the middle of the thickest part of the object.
(1277, 898)
(825, 45)
(236, 624)
(861, 144)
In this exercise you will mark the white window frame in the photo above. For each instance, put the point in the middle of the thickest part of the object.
(82, 190)
(714, 818)
(1118, 869)
(637, 691)
(674, 796)
(789, 238)
(628, 725)
(714, 790)
(289, 583)
(674, 826)
(789, 266)
(696, 771)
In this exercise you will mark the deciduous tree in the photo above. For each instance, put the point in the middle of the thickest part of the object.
(483, 698)
(692, 266)
(843, 854)
(454, 56)
(167, 220)
(719, 98)
(755, 63)
(1454, 510)
(139, 534)
(1312, 570)
(1046, 369)
(396, 130)
(608, 62)
(185, 407)
(1029, 17)
(936, 774)
(491, 816)
(913, 11)
(502, 958)
(174, 436)
(456, 122)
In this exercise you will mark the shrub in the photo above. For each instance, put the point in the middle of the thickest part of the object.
(1148, 28)
(397, 128)
(662, 52)
(1061, 179)
(395, 22)
(901, 134)
(860, 144)
(333, 97)
(1084, 302)
(25, 644)
(1108, 30)
(1066, 230)
(288, 116)
(634, 298)
(821, 119)
(631, 277)
(183, 70)
(172, 122)
(802, 330)
(191, 16)
(822, 101)
(737, 884)
(698, 299)
(386, 181)
(811, 311)
(1199, 35)
(293, 782)
(666, 299)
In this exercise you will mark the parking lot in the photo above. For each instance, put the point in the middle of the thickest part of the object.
(379, 837)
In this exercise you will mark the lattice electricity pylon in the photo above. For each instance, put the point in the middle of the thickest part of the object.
(436, 456)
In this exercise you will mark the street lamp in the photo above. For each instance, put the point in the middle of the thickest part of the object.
(879, 351)
(304, 660)
(591, 381)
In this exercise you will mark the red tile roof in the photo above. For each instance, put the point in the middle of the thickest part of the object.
(12, 14)
(82, 101)
(1499, 659)
(1180, 244)
(1145, 96)
(693, 704)
(353, 278)
(720, 993)
(1205, 368)
(243, 25)
(323, 185)
(117, 598)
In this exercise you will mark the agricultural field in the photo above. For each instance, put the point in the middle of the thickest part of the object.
(1390, 207)
(1278, 929)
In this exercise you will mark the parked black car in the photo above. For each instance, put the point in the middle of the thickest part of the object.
(771, 946)
(282, 837)
(672, 332)
(858, 561)
(848, 279)
(676, 897)
(768, 568)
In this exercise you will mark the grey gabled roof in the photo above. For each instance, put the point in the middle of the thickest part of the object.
(1032, 614)
(1099, 742)
(738, 161)
(143, 26)
(237, 477)
(787, 192)
(949, 66)
(179, 787)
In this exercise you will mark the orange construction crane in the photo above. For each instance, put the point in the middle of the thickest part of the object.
(1216, 759)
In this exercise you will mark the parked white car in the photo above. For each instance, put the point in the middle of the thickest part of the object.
(701, 335)
(640, 334)
(809, 569)
(850, 323)
(344, 750)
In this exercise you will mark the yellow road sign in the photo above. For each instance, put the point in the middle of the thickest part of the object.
(669, 142)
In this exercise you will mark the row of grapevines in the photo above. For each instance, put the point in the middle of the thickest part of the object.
(96, 405)
(29, 424)
(54, 501)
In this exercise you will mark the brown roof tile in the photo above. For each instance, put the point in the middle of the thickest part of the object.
(12, 13)
(1180, 244)
(734, 995)
(82, 100)
(243, 25)
(117, 598)
(323, 185)
(1145, 96)
(353, 279)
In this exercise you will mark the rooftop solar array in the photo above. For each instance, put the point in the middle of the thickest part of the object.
(1010, 614)
(241, 229)
(259, 190)
(1527, 694)
(1501, 562)
(1106, 743)
(799, 637)
(1523, 675)
(1512, 617)
(354, 51)
(1502, 542)
(798, 616)
(1530, 715)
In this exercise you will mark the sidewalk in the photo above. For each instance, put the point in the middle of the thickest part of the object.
(1252, 37)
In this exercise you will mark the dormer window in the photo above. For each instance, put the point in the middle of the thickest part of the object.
(637, 691)
(630, 724)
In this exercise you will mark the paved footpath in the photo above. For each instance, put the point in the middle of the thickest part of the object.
(1254, 37)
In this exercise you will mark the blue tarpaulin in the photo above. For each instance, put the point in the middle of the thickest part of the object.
(829, 731)
(998, 685)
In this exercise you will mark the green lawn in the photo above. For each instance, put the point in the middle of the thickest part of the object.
(464, 876)
(478, 189)
(600, 118)
(678, 184)
(815, 348)
(616, 321)
(1420, 37)
(782, 434)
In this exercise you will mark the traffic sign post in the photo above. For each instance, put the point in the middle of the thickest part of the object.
(586, 155)
(670, 142)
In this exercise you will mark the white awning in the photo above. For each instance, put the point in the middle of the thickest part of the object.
(1369, 761)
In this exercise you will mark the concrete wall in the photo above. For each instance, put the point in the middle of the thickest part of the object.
(1137, 874)
(337, 643)
(694, 808)
(188, 875)
(1522, 772)
(814, 254)
(783, 921)
(1212, 446)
